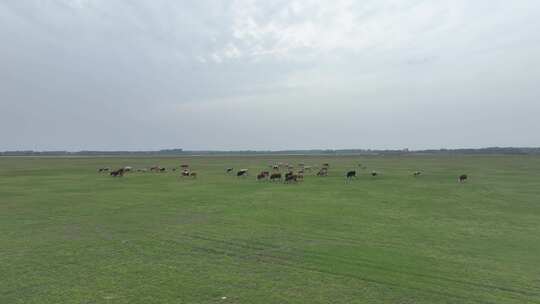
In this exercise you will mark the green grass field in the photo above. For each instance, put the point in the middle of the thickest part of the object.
(71, 235)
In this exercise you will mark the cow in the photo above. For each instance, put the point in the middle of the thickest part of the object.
(374, 173)
(185, 172)
(128, 168)
(290, 177)
(118, 173)
(242, 172)
(162, 170)
(462, 178)
(351, 174)
(184, 166)
(275, 167)
(417, 173)
(326, 165)
(275, 176)
(100, 170)
(263, 175)
(322, 172)
(229, 170)
(155, 168)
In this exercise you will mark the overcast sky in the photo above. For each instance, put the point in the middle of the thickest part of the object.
(269, 74)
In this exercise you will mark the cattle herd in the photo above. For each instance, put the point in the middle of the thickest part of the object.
(278, 172)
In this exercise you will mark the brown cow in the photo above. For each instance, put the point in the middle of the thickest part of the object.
(263, 175)
(322, 172)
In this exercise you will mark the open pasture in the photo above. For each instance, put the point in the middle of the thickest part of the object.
(69, 234)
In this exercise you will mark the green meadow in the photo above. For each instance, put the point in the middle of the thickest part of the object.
(69, 234)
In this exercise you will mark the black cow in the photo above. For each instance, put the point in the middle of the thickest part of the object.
(291, 177)
(374, 173)
(229, 170)
(275, 176)
(351, 174)
(462, 178)
(118, 173)
(417, 173)
(242, 172)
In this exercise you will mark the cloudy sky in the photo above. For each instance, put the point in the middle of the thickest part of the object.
(272, 74)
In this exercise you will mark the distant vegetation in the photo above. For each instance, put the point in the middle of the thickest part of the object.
(482, 151)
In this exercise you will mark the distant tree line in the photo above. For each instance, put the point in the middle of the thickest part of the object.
(173, 152)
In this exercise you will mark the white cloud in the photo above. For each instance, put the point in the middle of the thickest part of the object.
(75, 64)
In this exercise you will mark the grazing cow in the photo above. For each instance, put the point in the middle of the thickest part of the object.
(374, 173)
(162, 170)
(322, 172)
(291, 177)
(128, 168)
(184, 166)
(351, 174)
(185, 172)
(263, 175)
(462, 178)
(118, 173)
(417, 173)
(275, 176)
(242, 172)
(229, 170)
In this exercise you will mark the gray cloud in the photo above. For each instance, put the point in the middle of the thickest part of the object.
(96, 74)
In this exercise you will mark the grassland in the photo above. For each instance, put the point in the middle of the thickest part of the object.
(71, 235)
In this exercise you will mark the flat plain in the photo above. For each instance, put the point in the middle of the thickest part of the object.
(69, 234)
